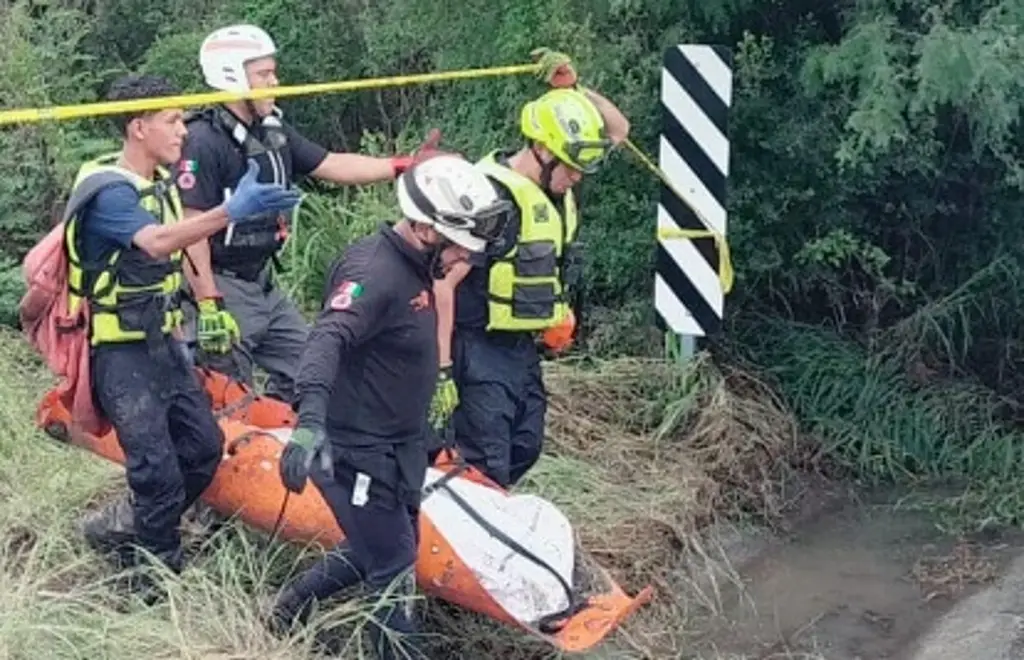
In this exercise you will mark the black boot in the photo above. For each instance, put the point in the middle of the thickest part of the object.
(394, 633)
(333, 572)
(110, 530)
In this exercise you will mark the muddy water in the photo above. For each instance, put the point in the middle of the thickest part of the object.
(859, 583)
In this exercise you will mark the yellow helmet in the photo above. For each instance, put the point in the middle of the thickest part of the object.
(570, 126)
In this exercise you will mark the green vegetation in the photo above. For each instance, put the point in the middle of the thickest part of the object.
(874, 200)
(668, 452)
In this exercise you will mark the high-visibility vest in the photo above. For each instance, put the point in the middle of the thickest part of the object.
(526, 290)
(129, 292)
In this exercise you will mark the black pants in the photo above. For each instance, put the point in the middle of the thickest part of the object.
(499, 423)
(165, 425)
(379, 514)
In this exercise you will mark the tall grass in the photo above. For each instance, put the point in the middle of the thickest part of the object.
(327, 223)
(903, 410)
(874, 417)
(641, 456)
(331, 217)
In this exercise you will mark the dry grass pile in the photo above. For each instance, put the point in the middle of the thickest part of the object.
(646, 453)
(641, 456)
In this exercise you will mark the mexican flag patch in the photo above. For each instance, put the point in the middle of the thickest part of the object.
(346, 292)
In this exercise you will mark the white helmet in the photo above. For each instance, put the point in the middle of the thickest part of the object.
(454, 197)
(225, 51)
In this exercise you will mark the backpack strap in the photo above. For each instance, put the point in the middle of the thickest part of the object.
(84, 193)
(89, 188)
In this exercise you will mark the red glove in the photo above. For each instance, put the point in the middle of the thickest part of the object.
(426, 150)
(559, 338)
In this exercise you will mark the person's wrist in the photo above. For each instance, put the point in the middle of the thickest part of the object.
(237, 205)
(400, 164)
(231, 209)
(211, 303)
(305, 436)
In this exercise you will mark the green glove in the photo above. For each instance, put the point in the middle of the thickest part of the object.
(217, 329)
(555, 67)
(306, 438)
(305, 445)
(446, 399)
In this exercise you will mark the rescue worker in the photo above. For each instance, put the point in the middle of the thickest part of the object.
(367, 377)
(124, 239)
(492, 308)
(238, 302)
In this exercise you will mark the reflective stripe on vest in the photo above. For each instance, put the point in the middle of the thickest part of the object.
(132, 296)
(525, 289)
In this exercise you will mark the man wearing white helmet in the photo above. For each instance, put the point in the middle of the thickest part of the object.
(231, 278)
(367, 377)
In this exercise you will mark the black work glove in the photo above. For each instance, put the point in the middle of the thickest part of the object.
(306, 444)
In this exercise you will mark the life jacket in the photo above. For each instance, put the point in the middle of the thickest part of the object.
(243, 249)
(526, 287)
(52, 318)
(131, 296)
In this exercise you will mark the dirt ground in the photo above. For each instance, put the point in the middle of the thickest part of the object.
(860, 581)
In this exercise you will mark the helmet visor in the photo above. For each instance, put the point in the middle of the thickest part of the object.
(587, 156)
(487, 223)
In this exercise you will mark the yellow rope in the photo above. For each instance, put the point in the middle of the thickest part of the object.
(77, 111)
(64, 112)
(725, 271)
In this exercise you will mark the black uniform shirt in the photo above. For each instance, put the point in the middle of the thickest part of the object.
(212, 161)
(370, 366)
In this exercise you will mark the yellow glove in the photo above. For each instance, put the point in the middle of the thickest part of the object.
(217, 329)
(555, 67)
(445, 401)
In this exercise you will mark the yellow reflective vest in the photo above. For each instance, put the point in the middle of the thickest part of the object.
(131, 294)
(525, 286)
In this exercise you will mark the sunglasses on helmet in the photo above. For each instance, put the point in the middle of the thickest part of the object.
(487, 223)
(587, 156)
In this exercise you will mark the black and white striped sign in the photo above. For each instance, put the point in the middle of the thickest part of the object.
(696, 92)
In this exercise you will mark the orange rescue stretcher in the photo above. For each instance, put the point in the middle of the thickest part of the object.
(510, 557)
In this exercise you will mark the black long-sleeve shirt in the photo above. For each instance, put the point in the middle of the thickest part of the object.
(369, 368)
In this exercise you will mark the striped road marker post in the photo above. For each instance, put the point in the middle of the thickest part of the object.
(696, 92)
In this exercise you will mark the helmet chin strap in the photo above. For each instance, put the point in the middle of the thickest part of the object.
(432, 254)
(251, 107)
(436, 265)
(546, 169)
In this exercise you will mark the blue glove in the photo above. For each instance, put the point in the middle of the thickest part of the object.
(251, 198)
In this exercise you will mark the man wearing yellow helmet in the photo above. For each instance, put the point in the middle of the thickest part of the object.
(493, 309)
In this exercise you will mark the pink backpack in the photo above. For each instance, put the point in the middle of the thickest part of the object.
(58, 335)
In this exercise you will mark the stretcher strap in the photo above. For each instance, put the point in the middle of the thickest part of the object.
(549, 623)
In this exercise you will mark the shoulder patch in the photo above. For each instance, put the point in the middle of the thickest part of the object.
(540, 212)
(343, 296)
(187, 169)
